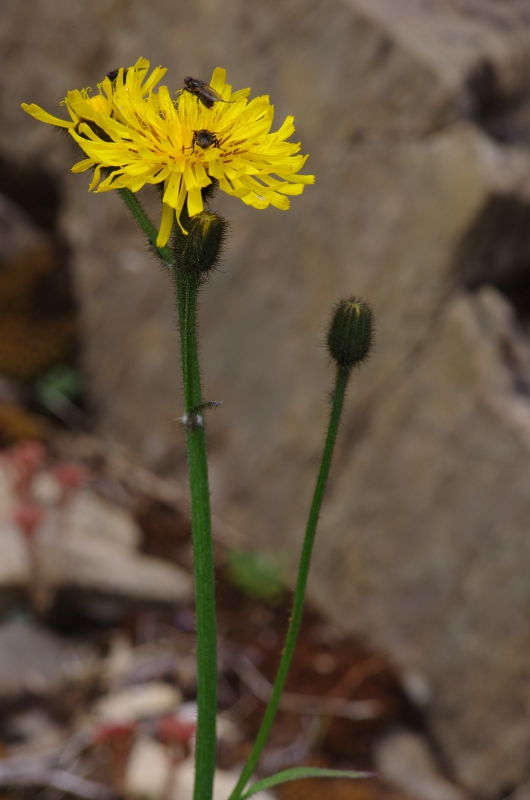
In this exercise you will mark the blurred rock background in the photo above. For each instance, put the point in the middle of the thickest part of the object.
(416, 116)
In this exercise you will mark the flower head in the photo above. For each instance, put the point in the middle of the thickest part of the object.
(140, 135)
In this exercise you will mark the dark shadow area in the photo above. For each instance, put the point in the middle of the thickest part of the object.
(496, 250)
(504, 116)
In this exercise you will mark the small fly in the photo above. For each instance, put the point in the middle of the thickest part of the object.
(113, 74)
(204, 139)
(203, 92)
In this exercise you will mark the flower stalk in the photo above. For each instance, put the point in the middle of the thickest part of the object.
(187, 284)
(349, 340)
(301, 584)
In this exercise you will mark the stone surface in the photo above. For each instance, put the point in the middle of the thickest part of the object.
(416, 116)
(148, 774)
(36, 662)
(14, 557)
(403, 759)
(138, 702)
(456, 439)
(18, 233)
(91, 546)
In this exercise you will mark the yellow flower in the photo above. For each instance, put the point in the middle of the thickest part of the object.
(143, 136)
(82, 107)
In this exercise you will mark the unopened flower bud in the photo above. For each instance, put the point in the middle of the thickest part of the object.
(350, 332)
(200, 251)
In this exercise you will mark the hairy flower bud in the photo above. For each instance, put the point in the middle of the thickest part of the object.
(200, 251)
(350, 332)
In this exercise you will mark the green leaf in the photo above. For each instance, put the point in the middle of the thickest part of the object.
(296, 773)
(58, 384)
(257, 575)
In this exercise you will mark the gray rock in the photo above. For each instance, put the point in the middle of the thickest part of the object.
(407, 108)
(438, 588)
(33, 660)
(14, 555)
(18, 234)
(91, 547)
(146, 700)
(150, 774)
(403, 759)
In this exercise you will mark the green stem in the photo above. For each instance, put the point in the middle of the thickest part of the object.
(187, 288)
(301, 583)
(135, 207)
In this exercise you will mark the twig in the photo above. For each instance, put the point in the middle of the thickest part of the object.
(358, 673)
(141, 479)
(302, 703)
(29, 772)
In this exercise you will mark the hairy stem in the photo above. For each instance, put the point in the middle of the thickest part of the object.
(301, 583)
(187, 289)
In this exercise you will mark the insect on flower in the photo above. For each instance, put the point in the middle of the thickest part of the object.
(203, 139)
(203, 92)
(134, 134)
(113, 74)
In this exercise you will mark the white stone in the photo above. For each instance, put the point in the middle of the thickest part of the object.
(14, 556)
(403, 759)
(91, 545)
(88, 516)
(46, 489)
(148, 769)
(7, 497)
(224, 782)
(34, 660)
(138, 702)
(148, 775)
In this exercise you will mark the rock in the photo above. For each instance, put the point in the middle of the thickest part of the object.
(138, 702)
(35, 661)
(14, 557)
(224, 782)
(18, 234)
(7, 496)
(416, 116)
(126, 665)
(148, 769)
(403, 759)
(34, 730)
(521, 793)
(456, 435)
(89, 516)
(148, 775)
(10, 391)
(14, 564)
(91, 547)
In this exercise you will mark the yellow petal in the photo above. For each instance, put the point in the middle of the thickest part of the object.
(218, 79)
(189, 177)
(43, 116)
(291, 188)
(200, 174)
(172, 189)
(195, 204)
(95, 178)
(216, 169)
(155, 77)
(82, 166)
(166, 224)
(279, 201)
